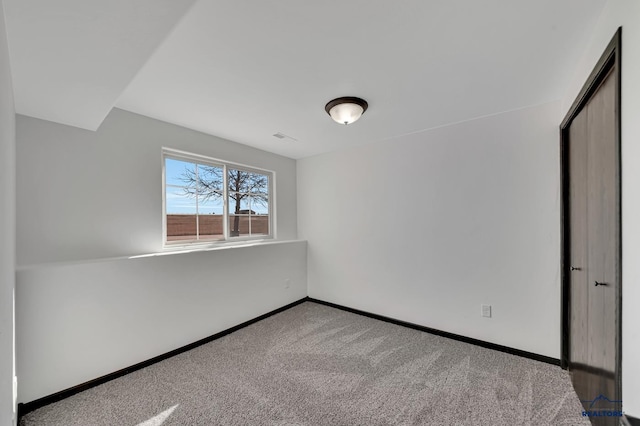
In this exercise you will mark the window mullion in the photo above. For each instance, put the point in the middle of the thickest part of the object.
(250, 207)
(225, 202)
(197, 201)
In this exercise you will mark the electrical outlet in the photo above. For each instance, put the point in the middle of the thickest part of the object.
(287, 283)
(486, 311)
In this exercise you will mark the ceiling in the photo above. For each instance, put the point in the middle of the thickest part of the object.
(245, 70)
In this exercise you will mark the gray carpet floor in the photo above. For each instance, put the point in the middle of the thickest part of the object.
(315, 365)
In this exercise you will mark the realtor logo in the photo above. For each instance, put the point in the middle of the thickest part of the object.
(601, 406)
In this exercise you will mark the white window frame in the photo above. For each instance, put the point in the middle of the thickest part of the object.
(225, 165)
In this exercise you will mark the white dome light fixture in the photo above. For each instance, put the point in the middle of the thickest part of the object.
(346, 110)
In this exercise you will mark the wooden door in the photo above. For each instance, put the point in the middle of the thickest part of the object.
(578, 278)
(592, 209)
(602, 233)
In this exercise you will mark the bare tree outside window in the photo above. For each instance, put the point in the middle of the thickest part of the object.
(246, 189)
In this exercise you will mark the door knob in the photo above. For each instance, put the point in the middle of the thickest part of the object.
(575, 268)
(601, 284)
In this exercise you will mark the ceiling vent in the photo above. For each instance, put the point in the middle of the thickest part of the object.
(286, 137)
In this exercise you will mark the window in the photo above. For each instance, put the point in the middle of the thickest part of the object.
(208, 200)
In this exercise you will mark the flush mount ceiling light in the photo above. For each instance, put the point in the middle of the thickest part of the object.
(346, 110)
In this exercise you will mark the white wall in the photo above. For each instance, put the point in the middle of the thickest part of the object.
(87, 200)
(625, 13)
(79, 321)
(427, 227)
(7, 229)
(89, 195)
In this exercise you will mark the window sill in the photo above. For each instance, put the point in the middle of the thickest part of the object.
(200, 248)
(220, 245)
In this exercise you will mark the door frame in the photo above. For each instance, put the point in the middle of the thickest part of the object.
(610, 58)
